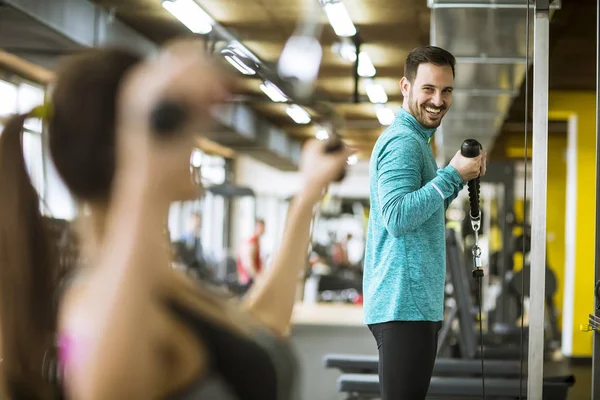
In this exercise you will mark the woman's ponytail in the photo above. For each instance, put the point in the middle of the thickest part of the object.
(28, 270)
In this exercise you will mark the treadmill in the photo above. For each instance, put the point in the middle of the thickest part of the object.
(452, 377)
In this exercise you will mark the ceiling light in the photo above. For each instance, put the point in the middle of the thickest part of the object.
(301, 58)
(352, 160)
(240, 62)
(298, 114)
(365, 66)
(376, 93)
(322, 134)
(189, 13)
(196, 159)
(385, 115)
(274, 93)
(339, 18)
(345, 49)
(233, 60)
(239, 48)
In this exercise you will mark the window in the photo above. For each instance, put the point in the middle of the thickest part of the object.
(213, 169)
(29, 97)
(8, 98)
(34, 159)
(212, 208)
(58, 199)
(18, 96)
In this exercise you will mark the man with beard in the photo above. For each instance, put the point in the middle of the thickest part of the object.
(405, 257)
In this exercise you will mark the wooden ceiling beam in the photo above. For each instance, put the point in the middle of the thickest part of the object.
(25, 68)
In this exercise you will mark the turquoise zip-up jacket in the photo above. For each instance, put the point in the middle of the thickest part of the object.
(405, 253)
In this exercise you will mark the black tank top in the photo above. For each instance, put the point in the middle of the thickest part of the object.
(263, 367)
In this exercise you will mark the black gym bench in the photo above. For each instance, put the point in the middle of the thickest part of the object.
(366, 364)
(364, 387)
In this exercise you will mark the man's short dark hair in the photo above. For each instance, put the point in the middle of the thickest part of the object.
(427, 55)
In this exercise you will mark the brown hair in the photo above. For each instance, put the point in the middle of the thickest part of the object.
(427, 55)
(82, 141)
(82, 129)
(27, 273)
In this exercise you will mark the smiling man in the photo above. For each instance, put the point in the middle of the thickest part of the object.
(405, 255)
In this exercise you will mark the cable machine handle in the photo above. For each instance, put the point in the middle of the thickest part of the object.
(471, 148)
(333, 145)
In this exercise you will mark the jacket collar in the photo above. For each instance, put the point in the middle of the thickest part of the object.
(405, 118)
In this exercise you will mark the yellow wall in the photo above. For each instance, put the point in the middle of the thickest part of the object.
(555, 217)
(555, 222)
(583, 105)
(517, 229)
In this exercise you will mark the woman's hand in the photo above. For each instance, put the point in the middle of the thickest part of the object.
(319, 168)
(182, 73)
(164, 106)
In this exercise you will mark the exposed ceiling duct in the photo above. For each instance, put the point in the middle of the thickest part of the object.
(488, 38)
(242, 130)
(42, 31)
(67, 25)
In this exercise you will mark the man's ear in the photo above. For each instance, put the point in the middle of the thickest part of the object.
(405, 86)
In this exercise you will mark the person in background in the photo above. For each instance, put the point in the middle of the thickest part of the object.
(190, 251)
(249, 262)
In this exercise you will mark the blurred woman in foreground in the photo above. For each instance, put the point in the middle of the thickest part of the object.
(129, 326)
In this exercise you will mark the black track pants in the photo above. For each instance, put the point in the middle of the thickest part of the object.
(407, 351)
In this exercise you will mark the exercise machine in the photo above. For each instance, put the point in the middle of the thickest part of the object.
(494, 378)
(469, 363)
(594, 317)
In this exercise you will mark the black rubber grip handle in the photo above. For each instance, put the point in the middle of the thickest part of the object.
(168, 117)
(471, 148)
(333, 145)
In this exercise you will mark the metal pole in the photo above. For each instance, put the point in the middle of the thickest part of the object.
(596, 352)
(538, 201)
(357, 42)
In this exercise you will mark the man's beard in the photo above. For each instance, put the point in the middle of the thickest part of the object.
(421, 115)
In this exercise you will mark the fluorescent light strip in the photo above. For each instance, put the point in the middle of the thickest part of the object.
(273, 92)
(385, 115)
(345, 49)
(376, 93)
(196, 159)
(298, 114)
(365, 66)
(348, 52)
(189, 13)
(322, 134)
(239, 65)
(339, 19)
(240, 49)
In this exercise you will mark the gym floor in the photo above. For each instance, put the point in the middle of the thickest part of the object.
(582, 370)
(583, 382)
